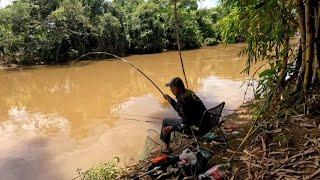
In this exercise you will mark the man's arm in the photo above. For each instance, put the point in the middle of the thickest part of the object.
(173, 104)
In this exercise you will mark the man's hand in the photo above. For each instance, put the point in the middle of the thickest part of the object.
(167, 97)
(167, 130)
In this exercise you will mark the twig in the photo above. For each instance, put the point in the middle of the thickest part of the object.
(314, 174)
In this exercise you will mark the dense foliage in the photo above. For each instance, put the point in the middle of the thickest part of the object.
(284, 34)
(55, 31)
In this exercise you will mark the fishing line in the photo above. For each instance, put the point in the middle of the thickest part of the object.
(100, 123)
(138, 120)
(123, 60)
(128, 119)
(142, 116)
(231, 110)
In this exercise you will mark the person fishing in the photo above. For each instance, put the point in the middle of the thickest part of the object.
(188, 106)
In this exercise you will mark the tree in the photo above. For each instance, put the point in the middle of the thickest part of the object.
(146, 29)
(109, 35)
(69, 29)
(22, 35)
(269, 28)
(188, 27)
(56, 31)
(206, 19)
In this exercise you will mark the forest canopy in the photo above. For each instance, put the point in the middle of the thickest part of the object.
(56, 31)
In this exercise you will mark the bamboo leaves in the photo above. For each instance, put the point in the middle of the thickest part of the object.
(270, 29)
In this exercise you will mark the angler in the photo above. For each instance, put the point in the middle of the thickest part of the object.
(188, 106)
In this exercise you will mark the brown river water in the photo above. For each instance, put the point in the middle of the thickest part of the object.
(56, 119)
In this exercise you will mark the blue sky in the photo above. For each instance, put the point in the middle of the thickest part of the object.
(202, 3)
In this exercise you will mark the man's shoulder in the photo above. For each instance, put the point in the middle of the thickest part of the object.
(189, 95)
(186, 94)
(189, 92)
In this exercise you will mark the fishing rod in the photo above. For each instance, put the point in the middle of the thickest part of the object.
(128, 119)
(123, 60)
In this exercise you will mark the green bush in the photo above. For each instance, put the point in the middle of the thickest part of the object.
(106, 171)
(210, 42)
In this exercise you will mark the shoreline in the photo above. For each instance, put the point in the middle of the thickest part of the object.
(295, 138)
(233, 122)
(13, 66)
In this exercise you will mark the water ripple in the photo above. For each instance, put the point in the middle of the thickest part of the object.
(22, 120)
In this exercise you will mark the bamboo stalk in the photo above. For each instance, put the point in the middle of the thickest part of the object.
(318, 35)
(177, 30)
(302, 29)
(309, 46)
(284, 61)
(316, 47)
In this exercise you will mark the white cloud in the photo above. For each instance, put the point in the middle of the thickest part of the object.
(4, 3)
(207, 3)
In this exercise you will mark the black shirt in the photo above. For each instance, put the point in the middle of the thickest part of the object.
(189, 107)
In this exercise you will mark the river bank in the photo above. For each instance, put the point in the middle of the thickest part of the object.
(287, 148)
(235, 125)
(89, 58)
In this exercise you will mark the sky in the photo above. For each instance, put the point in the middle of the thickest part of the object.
(207, 3)
(4, 3)
(202, 3)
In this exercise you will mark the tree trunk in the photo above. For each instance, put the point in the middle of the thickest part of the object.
(309, 45)
(302, 29)
(284, 61)
(298, 61)
(317, 41)
(316, 48)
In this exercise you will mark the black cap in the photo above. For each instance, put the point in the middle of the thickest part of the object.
(176, 82)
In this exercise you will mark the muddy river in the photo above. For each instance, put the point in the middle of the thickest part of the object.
(56, 119)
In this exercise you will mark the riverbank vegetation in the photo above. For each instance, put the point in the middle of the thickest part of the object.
(281, 138)
(290, 83)
(284, 34)
(51, 32)
(109, 170)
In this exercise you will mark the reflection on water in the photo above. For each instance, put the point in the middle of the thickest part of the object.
(22, 120)
(64, 118)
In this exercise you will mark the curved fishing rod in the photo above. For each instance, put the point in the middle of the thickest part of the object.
(123, 60)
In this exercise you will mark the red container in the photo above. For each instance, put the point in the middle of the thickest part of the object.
(159, 159)
(214, 173)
